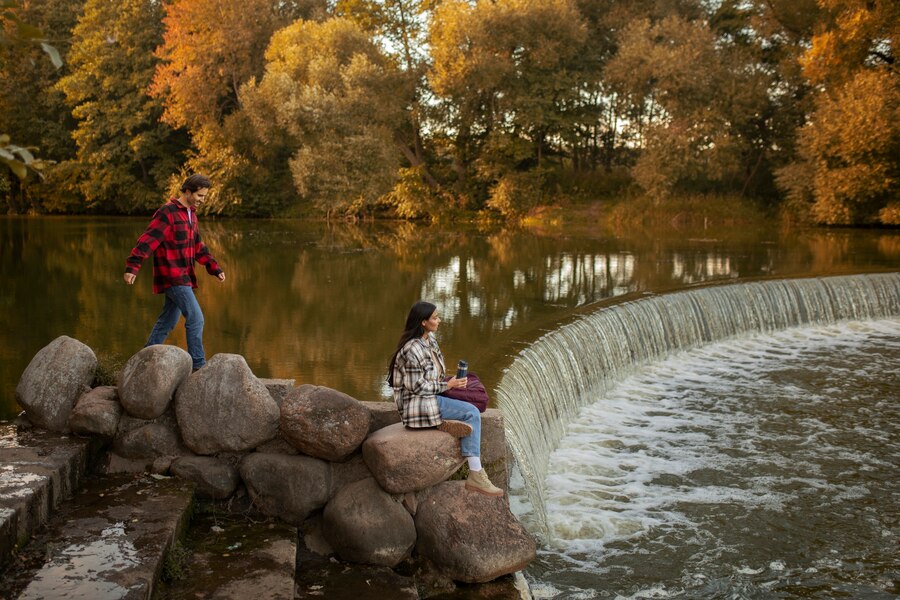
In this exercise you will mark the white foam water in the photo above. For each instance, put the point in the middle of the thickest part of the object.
(550, 381)
(760, 466)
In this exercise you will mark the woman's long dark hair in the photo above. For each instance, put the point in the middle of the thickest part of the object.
(420, 311)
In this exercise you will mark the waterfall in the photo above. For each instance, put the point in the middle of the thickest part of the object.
(550, 381)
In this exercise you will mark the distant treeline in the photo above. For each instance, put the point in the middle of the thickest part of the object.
(428, 108)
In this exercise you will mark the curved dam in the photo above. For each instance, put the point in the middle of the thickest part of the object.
(550, 382)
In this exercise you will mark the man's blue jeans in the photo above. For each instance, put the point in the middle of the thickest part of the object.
(181, 300)
(457, 410)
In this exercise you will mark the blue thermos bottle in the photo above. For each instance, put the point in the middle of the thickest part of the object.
(462, 369)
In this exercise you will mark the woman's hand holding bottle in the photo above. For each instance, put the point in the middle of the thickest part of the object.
(455, 382)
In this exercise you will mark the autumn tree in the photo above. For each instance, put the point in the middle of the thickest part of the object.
(210, 49)
(125, 154)
(709, 105)
(504, 73)
(606, 122)
(330, 98)
(848, 161)
(400, 29)
(34, 41)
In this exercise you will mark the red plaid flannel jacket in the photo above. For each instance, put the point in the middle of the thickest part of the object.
(174, 241)
(417, 382)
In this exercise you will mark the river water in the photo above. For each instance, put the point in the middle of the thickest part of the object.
(665, 495)
(765, 466)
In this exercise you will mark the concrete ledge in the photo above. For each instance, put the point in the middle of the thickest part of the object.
(38, 470)
(110, 541)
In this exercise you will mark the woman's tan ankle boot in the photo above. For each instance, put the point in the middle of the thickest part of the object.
(478, 481)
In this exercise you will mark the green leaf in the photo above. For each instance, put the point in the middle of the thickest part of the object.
(28, 32)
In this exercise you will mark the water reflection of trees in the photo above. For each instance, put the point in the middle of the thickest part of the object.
(325, 304)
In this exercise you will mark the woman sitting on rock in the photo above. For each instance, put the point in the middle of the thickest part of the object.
(416, 375)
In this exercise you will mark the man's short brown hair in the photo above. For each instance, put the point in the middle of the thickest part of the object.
(195, 182)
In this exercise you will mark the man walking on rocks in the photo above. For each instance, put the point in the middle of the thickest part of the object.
(173, 237)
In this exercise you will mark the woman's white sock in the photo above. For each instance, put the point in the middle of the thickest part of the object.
(474, 463)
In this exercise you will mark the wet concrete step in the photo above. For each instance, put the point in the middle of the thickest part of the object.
(232, 557)
(108, 543)
(38, 470)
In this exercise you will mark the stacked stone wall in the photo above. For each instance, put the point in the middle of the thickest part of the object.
(378, 492)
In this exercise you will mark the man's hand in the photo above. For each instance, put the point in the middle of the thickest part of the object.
(221, 276)
(129, 278)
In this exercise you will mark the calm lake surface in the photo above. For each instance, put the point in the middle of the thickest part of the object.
(325, 304)
(797, 445)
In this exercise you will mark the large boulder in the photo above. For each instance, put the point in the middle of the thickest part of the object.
(145, 439)
(54, 379)
(364, 524)
(323, 422)
(215, 479)
(149, 442)
(288, 487)
(149, 379)
(406, 460)
(471, 537)
(223, 407)
(97, 413)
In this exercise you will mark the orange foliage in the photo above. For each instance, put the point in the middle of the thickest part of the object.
(211, 47)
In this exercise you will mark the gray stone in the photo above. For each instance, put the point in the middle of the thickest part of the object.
(323, 422)
(149, 379)
(223, 407)
(383, 414)
(22, 422)
(410, 502)
(406, 460)
(288, 487)
(97, 413)
(469, 536)
(128, 423)
(350, 471)
(54, 379)
(162, 465)
(319, 575)
(278, 388)
(215, 479)
(113, 464)
(149, 442)
(494, 453)
(364, 524)
(278, 446)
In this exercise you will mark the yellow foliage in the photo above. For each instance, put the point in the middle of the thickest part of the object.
(211, 47)
(890, 214)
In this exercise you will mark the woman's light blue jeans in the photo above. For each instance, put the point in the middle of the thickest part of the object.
(181, 300)
(457, 410)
